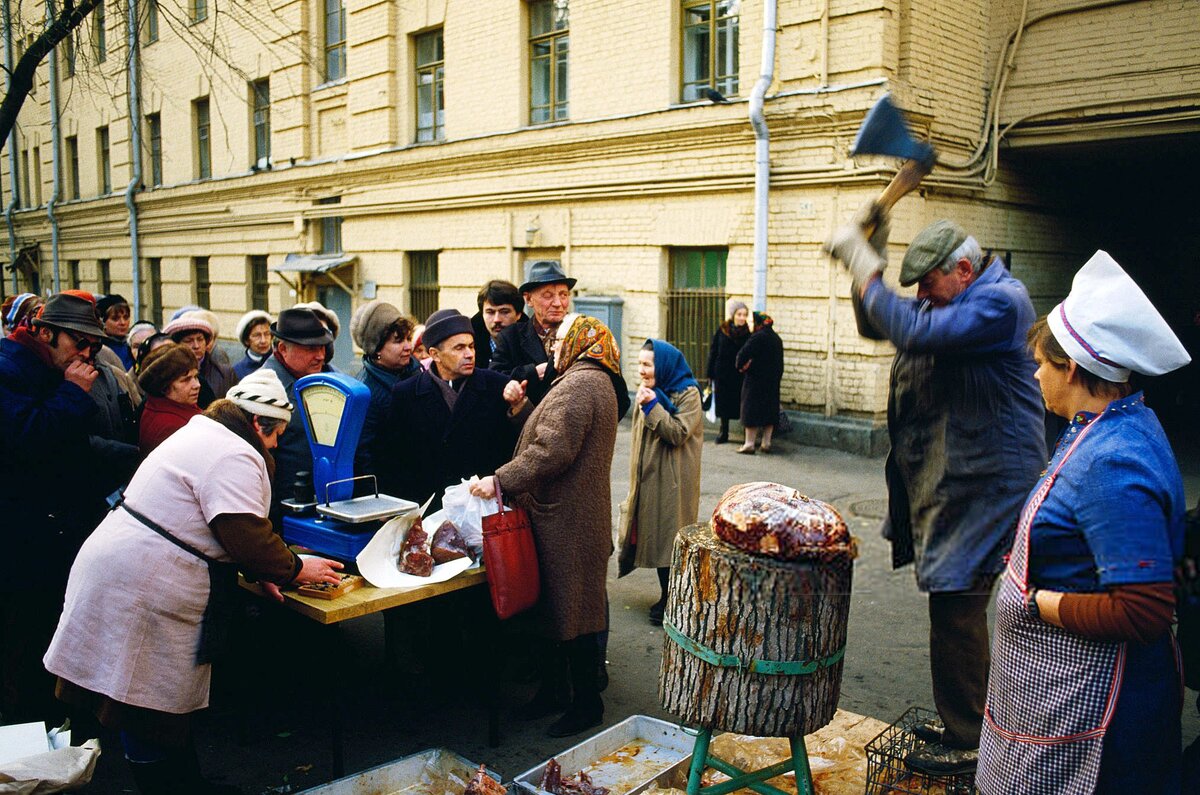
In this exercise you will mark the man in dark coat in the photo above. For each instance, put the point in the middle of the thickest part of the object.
(448, 422)
(51, 485)
(965, 417)
(523, 349)
(500, 306)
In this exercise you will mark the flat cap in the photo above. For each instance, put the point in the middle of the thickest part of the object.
(929, 248)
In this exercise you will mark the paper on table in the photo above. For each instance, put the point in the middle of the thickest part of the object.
(21, 740)
(379, 558)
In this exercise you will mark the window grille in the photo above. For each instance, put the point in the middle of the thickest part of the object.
(695, 302)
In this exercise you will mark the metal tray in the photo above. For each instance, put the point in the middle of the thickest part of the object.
(368, 508)
(436, 771)
(625, 758)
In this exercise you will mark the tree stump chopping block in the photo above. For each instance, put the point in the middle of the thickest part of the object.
(752, 645)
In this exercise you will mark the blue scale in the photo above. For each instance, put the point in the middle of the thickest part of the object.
(333, 408)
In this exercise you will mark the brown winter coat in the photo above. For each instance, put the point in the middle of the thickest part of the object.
(664, 480)
(561, 475)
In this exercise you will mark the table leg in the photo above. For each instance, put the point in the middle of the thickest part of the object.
(699, 759)
(804, 780)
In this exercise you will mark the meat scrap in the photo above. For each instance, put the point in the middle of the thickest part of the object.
(780, 522)
(578, 784)
(448, 544)
(414, 556)
(483, 784)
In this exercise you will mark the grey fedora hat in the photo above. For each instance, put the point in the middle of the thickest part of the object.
(71, 312)
(546, 271)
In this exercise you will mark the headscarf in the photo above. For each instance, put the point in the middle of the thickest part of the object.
(762, 319)
(587, 339)
(671, 373)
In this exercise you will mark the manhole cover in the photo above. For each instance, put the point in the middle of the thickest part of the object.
(870, 509)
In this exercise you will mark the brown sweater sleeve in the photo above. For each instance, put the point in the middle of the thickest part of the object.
(255, 548)
(1137, 613)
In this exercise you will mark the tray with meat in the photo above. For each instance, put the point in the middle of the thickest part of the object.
(436, 771)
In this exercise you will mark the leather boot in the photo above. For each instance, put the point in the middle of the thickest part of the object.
(189, 779)
(587, 708)
(153, 778)
(554, 686)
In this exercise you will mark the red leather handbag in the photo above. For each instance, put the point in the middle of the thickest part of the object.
(511, 559)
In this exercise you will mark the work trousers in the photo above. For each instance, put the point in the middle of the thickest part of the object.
(959, 659)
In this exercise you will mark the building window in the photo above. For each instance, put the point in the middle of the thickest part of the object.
(199, 10)
(72, 143)
(154, 140)
(68, 53)
(203, 144)
(103, 276)
(260, 97)
(331, 235)
(154, 272)
(423, 283)
(23, 199)
(201, 280)
(100, 35)
(104, 161)
(549, 43)
(152, 21)
(710, 47)
(260, 285)
(37, 176)
(33, 80)
(335, 39)
(73, 273)
(430, 75)
(695, 301)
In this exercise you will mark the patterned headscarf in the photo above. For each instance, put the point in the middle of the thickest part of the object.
(762, 319)
(587, 339)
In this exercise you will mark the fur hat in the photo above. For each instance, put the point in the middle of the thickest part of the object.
(262, 393)
(328, 316)
(371, 323)
(249, 321)
(163, 365)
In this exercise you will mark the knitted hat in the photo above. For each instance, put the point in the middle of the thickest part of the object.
(262, 393)
(161, 366)
(732, 306)
(248, 321)
(371, 323)
(208, 317)
(186, 324)
(16, 307)
(183, 310)
(107, 302)
(443, 324)
(328, 316)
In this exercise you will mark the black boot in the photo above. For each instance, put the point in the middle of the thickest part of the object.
(723, 436)
(554, 687)
(154, 778)
(189, 780)
(660, 607)
(587, 708)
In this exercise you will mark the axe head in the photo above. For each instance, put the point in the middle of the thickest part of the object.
(885, 132)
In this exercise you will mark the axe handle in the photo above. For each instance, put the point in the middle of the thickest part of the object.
(906, 181)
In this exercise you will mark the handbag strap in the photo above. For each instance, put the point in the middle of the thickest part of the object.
(499, 494)
(156, 527)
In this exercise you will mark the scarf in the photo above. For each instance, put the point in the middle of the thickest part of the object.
(589, 340)
(24, 336)
(671, 373)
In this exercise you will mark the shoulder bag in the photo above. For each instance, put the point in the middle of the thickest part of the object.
(511, 559)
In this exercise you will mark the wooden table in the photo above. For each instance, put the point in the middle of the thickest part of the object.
(363, 602)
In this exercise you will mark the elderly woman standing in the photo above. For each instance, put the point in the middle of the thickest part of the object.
(723, 374)
(561, 475)
(170, 382)
(664, 465)
(140, 655)
(254, 332)
(761, 360)
(1084, 693)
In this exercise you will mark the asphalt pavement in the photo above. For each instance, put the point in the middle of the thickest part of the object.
(269, 727)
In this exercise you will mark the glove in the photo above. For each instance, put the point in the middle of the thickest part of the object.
(856, 253)
(871, 215)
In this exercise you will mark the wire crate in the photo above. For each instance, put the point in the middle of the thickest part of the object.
(886, 772)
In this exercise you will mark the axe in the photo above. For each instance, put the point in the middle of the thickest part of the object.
(885, 132)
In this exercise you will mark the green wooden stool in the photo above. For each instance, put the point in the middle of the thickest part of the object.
(755, 780)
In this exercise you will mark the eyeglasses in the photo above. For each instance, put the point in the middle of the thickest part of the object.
(82, 343)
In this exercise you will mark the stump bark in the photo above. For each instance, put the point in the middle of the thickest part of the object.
(754, 608)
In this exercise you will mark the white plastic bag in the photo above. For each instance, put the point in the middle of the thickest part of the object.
(710, 413)
(467, 512)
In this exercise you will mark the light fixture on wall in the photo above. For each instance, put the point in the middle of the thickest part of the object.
(532, 230)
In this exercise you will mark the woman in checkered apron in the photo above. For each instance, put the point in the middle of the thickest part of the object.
(1084, 693)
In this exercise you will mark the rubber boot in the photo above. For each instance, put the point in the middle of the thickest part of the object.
(587, 708)
(554, 687)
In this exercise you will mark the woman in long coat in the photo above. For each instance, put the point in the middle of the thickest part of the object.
(664, 464)
(723, 374)
(761, 360)
(136, 654)
(561, 474)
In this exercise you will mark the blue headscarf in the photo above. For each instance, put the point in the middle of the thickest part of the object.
(671, 373)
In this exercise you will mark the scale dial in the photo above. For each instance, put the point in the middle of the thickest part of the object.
(324, 406)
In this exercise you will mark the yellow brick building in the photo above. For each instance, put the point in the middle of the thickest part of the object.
(429, 146)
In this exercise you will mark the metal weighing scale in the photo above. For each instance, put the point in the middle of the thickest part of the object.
(332, 521)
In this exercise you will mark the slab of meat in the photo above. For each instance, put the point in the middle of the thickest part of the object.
(483, 784)
(578, 784)
(414, 555)
(778, 521)
(448, 544)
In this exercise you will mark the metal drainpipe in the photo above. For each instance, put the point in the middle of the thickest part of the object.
(12, 151)
(57, 144)
(762, 159)
(135, 136)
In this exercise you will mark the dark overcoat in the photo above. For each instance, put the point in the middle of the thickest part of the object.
(519, 351)
(423, 447)
(763, 352)
(722, 370)
(562, 475)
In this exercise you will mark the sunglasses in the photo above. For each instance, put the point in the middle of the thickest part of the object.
(82, 343)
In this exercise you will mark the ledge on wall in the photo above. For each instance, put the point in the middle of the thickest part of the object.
(852, 434)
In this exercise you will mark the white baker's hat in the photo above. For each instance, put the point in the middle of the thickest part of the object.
(261, 392)
(1108, 326)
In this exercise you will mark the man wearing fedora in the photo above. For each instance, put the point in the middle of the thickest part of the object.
(50, 484)
(965, 418)
(523, 349)
(300, 348)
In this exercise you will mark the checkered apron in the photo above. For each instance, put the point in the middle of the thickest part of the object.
(1051, 694)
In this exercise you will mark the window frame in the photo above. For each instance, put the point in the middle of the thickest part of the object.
(154, 287)
(37, 176)
(202, 129)
(423, 293)
(104, 159)
(259, 280)
(69, 55)
(202, 281)
(104, 276)
(71, 144)
(199, 11)
(696, 307)
(100, 33)
(151, 21)
(728, 83)
(435, 71)
(333, 24)
(554, 59)
(154, 148)
(260, 123)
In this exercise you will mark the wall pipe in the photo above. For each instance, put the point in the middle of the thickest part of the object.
(135, 178)
(12, 151)
(56, 143)
(762, 159)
